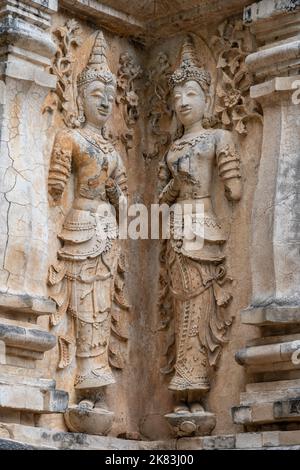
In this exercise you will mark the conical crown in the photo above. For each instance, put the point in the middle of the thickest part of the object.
(97, 67)
(190, 68)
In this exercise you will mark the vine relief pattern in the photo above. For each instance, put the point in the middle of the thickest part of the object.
(159, 105)
(233, 105)
(127, 95)
(63, 99)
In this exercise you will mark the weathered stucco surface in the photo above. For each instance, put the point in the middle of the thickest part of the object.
(251, 53)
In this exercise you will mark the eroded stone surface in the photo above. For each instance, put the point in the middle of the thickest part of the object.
(84, 341)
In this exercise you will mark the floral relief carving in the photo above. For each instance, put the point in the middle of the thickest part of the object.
(63, 99)
(159, 105)
(233, 105)
(127, 97)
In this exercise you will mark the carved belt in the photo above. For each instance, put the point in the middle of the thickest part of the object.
(193, 194)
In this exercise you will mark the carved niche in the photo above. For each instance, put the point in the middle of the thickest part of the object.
(195, 277)
(87, 279)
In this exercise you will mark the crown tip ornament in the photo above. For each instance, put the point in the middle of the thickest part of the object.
(190, 68)
(97, 67)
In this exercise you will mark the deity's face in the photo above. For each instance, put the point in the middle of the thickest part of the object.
(190, 102)
(97, 100)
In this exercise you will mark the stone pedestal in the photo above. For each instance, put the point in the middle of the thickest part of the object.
(90, 421)
(271, 361)
(191, 424)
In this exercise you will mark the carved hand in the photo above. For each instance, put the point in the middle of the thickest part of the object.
(110, 184)
(181, 178)
(56, 190)
(233, 189)
(112, 191)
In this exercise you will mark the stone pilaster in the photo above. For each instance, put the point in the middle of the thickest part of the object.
(271, 361)
(26, 49)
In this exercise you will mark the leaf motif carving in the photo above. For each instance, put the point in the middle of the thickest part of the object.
(127, 95)
(232, 107)
(67, 38)
(159, 105)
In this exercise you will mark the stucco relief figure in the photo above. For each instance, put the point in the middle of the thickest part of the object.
(83, 277)
(197, 275)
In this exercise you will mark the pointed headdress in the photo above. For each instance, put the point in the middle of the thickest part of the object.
(97, 66)
(190, 68)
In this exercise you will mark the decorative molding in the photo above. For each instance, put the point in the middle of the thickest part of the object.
(105, 16)
(146, 23)
(26, 45)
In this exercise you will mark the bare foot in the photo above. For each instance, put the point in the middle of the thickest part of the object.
(86, 404)
(196, 408)
(100, 405)
(181, 409)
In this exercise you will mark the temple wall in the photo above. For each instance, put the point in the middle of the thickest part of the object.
(261, 228)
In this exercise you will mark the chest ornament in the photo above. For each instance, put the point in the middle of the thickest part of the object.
(97, 141)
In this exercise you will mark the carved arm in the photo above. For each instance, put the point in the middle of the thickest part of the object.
(168, 187)
(60, 165)
(228, 161)
(116, 185)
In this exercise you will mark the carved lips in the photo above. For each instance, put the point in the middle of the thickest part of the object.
(103, 111)
(185, 110)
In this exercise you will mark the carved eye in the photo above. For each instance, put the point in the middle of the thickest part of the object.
(97, 94)
(177, 97)
(110, 98)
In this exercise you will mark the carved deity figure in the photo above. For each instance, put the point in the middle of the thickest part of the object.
(84, 274)
(197, 273)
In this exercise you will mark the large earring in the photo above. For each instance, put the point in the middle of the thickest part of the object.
(208, 119)
(81, 116)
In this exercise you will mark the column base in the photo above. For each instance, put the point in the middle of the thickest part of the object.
(31, 395)
(26, 304)
(272, 364)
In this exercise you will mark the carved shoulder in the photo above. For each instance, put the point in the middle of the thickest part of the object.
(65, 138)
(223, 138)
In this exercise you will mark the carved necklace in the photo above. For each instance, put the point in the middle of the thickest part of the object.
(97, 141)
(191, 142)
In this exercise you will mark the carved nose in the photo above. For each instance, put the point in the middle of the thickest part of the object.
(104, 103)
